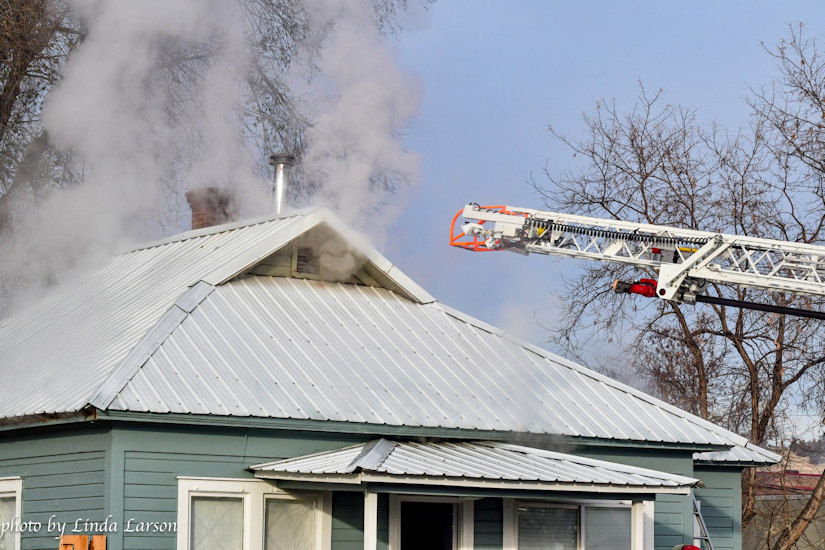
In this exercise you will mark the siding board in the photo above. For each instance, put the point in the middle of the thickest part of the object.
(63, 476)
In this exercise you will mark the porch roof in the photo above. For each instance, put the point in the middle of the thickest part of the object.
(481, 464)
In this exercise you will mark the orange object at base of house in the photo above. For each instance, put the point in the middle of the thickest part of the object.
(82, 542)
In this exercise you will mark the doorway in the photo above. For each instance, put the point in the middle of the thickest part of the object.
(428, 525)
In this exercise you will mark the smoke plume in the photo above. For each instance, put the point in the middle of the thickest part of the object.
(363, 99)
(151, 104)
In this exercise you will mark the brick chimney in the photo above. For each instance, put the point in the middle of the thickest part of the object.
(210, 206)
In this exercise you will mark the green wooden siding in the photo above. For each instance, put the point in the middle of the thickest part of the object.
(721, 499)
(488, 528)
(64, 475)
(154, 456)
(348, 521)
(130, 470)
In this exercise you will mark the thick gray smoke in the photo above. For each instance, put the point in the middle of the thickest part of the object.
(143, 133)
(363, 99)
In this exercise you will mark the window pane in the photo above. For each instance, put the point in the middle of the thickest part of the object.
(6, 515)
(290, 524)
(548, 528)
(607, 528)
(216, 523)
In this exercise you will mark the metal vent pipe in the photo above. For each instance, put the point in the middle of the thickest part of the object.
(281, 164)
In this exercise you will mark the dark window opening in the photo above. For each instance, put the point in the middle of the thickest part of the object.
(427, 526)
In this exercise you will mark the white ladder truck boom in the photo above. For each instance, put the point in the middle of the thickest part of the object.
(685, 261)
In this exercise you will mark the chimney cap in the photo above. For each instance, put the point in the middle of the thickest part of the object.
(281, 158)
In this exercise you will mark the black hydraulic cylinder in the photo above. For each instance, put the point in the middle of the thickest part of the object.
(797, 312)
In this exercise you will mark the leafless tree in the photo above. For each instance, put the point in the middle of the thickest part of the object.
(657, 163)
(35, 39)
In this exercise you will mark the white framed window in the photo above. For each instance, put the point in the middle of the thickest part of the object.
(250, 514)
(463, 519)
(542, 525)
(11, 504)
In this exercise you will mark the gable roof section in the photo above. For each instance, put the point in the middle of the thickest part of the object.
(477, 463)
(57, 355)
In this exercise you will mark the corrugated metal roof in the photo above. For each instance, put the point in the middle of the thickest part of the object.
(744, 454)
(472, 460)
(292, 348)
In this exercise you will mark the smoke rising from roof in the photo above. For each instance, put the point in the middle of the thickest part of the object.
(354, 148)
(151, 106)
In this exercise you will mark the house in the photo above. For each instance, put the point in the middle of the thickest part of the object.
(233, 387)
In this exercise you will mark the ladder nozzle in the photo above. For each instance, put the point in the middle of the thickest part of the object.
(643, 287)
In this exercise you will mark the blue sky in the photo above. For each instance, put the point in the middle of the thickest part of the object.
(495, 74)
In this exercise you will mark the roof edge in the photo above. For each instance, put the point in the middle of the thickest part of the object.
(740, 455)
(624, 468)
(212, 229)
(546, 488)
(87, 414)
(391, 430)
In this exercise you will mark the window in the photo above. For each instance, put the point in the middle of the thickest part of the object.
(548, 528)
(11, 491)
(241, 514)
(607, 528)
(574, 526)
(290, 524)
(216, 523)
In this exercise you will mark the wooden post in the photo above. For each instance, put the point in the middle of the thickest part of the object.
(641, 525)
(466, 524)
(370, 521)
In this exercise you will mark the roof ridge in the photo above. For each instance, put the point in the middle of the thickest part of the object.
(581, 369)
(166, 324)
(373, 455)
(213, 229)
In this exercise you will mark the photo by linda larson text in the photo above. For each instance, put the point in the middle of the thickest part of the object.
(86, 525)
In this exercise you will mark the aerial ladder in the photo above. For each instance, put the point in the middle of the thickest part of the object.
(684, 261)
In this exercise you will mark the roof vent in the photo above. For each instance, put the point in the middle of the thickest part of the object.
(306, 261)
(210, 206)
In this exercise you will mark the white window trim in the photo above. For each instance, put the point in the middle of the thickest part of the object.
(13, 487)
(641, 519)
(463, 528)
(254, 493)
